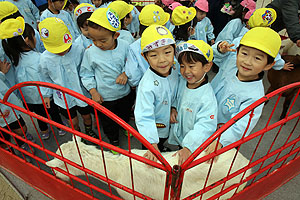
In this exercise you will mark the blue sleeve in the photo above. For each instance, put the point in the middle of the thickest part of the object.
(218, 56)
(144, 116)
(236, 131)
(279, 62)
(46, 92)
(87, 73)
(74, 27)
(204, 127)
(34, 10)
(132, 70)
(230, 31)
(210, 29)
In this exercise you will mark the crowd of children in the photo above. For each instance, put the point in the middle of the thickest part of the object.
(93, 47)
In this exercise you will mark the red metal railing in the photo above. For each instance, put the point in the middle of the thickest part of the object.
(272, 153)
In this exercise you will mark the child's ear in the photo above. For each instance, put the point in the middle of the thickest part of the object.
(269, 66)
(207, 66)
(116, 35)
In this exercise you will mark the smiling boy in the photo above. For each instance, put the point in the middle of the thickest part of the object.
(243, 86)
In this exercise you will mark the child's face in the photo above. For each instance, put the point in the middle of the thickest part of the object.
(161, 59)
(250, 62)
(103, 38)
(97, 3)
(200, 15)
(84, 29)
(128, 20)
(194, 72)
(57, 5)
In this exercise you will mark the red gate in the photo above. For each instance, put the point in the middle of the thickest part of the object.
(85, 167)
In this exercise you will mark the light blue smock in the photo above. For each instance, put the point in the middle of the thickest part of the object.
(100, 69)
(233, 29)
(10, 118)
(197, 116)
(170, 26)
(85, 1)
(29, 11)
(136, 65)
(63, 71)
(126, 35)
(66, 18)
(28, 70)
(203, 31)
(83, 41)
(233, 96)
(155, 96)
(134, 26)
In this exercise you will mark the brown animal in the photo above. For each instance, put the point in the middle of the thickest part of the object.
(280, 78)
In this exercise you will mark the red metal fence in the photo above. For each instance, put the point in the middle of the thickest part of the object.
(262, 161)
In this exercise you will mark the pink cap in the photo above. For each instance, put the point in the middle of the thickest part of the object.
(167, 2)
(250, 4)
(202, 5)
(174, 5)
(249, 13)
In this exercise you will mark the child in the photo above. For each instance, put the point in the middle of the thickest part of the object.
(133, 27)
(55, 9)
(185, 21)
(101, 3)
(204, 29)
(60, 64)
(20, 51)
(157, 89)
(195, 114)
(170, 25)
(82, 13)
(243, 86)
(123, 9)
(237, 26)
(8, 119)
(136, 65)
(102, 70)
(30, 12)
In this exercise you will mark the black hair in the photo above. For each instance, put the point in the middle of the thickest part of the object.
(70, 2)
(96, 26)
(146, 53)
(123, 27)
(14, 47)
(192, 57)
(270, 59)
(142, 29)
(12, 16)
(181, 32)
(240, 12)
(82, 18)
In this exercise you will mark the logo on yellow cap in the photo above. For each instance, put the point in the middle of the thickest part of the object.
(267, 16)
(44, 33)
(161, 30)
(112, 18)
(67, 38)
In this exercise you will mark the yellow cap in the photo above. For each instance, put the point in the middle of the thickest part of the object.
(121, 7)
(55, 35)
(65, 3)
(12, 28)
(182, 15)
(6, 9)
(107, 18)
(264, 39)
(197, 46)
(262, 17)
(156, 36)
(153, 14)
(83, 8)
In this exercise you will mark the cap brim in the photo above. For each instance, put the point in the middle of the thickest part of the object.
(259, 46)
(57, 49)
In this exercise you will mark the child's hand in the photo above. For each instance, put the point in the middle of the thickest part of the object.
(173, 116)
(288, 66)
(212, 42)
(211, 148)
(224, 47)
(151, 156)
(47, 102)
(183, 155)
(4, 66)
(96, 96)
(122, 79)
